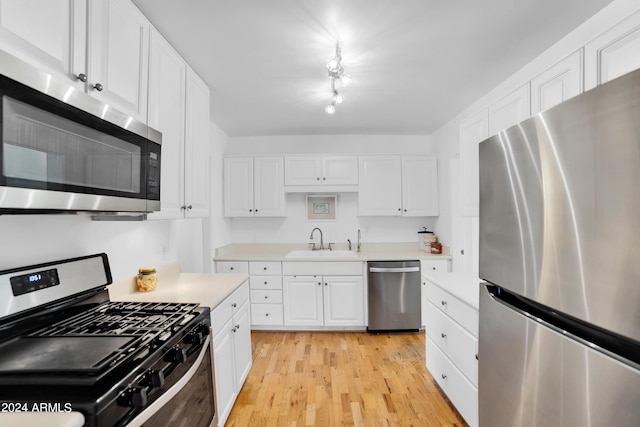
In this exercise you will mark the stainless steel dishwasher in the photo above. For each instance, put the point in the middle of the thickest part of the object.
(394, 296)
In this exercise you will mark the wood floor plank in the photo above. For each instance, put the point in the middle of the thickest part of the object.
(340, 379)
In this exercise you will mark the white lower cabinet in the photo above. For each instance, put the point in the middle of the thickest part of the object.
(452, 348)
(323, 300)
(231, 348)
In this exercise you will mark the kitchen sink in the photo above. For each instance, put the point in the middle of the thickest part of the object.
(321, 253)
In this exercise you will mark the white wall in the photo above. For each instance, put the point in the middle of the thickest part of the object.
(295, 228)
(219, 230)
(32, 239)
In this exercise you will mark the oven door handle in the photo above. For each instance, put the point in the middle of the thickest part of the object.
(150, 410)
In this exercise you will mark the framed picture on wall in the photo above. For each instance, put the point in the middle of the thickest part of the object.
(322, 207)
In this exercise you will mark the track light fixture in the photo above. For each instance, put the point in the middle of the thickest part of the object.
(336, 74)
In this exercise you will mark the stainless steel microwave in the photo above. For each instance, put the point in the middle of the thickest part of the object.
(64, 151)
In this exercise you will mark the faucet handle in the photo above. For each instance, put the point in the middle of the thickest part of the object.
(330, 248)
(349, 243)
(312, 245)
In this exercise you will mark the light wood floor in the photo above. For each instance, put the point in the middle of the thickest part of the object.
(340, 379)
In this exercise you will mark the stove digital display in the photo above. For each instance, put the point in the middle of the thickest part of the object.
(34, 281)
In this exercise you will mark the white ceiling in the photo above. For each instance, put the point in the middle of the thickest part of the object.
(415, 63)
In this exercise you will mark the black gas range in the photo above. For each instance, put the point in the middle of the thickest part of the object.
(64, 346)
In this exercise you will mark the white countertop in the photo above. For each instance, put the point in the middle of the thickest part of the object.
(39, 419)
(173, 286)
(368, 252)
(464, 286)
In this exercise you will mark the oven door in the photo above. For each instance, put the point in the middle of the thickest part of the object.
(196, 388)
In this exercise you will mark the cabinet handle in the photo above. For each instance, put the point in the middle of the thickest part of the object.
(325, 283)
(82, 77)
(443, 335)
(98, 87)
(319, 284)
(318, 179)
(234, 305)
(444, 377)
(256, 211)
(266, 314)
(233, 329)
(231, 268)
(190, 207)
(237, 327)
(399, 209)
(183, 207)
(266, 283)
(405, 210)
(433, 268)
(266, 297)
(264, 268)
(443, 302)
(324, 178)
(476, 356)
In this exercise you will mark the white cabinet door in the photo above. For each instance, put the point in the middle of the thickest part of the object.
(613, 53)
(118, 55)
(166, 113)
(268, 186)
(557, 84)
(473, 130)
(238, 186)
(196, 147)
(321, 170)
(343, 301)
(302, 170)
(224, 364)
(340, 170)
(510, 110)
(380, 192)
(420, 186)
(242, 343)
(46, 33)
(302, 300)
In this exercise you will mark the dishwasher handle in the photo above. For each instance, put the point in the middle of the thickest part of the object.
(394, 269)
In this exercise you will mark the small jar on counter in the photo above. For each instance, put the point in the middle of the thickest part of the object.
(147, 279)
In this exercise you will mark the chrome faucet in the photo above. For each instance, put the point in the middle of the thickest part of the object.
(321, 241)
(358, 240)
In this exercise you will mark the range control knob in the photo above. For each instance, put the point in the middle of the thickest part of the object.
(177, 355)
(195, 337)
(134, 397)
(157, 379)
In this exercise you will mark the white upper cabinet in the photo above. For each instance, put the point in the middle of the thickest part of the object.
(613, 53)
(179, 108)
(380, 192)
(420, 186)
(50, 34)
(398, 186)
(118, 52)
(196, 147)
(557, 84)
(166, 112)
(473, 131)
(254, 186)
(510, 110)
(101, 47)
(321, 170)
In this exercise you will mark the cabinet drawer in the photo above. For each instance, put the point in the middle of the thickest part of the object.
(454, 341)
(462, 313)
(265, 268)
(458, 389)
(265, 282)
(241, 267)
(266, 297)
(266, 314)
(434, 265)
(224, 311)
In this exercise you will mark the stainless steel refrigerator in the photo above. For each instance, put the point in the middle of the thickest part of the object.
(559, 338)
